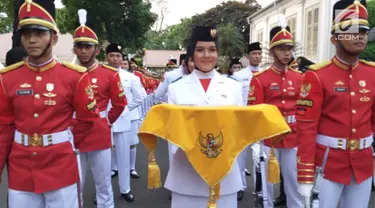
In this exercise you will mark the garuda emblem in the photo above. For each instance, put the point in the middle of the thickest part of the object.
(211, 144)
(305, 89)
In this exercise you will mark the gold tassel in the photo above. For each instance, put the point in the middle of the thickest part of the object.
(214, 196)
(273, 173)
(153, 180)
(83, 29)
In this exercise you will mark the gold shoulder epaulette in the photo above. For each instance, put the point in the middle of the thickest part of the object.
(110, 67)
(295, 70)
(321, 65)
(260, 72)
(370, 63)
(75, 67)
(12, 67)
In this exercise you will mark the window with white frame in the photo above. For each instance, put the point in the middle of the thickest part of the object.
(260, 36)
(292, 23)
(311, 41)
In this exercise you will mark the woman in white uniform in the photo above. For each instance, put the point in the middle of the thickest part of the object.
(204, 86)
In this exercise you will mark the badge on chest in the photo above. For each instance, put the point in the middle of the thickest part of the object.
(274, 86)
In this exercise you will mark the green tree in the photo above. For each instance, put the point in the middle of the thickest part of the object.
(6, 16)
(368, 54)
(119, 21)
(229, 12)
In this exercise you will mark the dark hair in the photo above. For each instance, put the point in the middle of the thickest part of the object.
(130, 66)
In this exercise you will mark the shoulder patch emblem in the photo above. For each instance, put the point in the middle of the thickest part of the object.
(110, 67)
(12, 67)
(319, 66)
(74, 67)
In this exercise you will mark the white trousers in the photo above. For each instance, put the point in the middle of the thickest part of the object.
(170, 154)
(122, 153)
(66, 197)
(241, 159)
(134, 140)
(185, 201)
(101, 171)
(352, 196)
(287, 159)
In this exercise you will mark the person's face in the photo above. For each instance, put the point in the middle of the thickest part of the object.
(255, 57)
(354, 43)
(205, 56)
(35, 41)
(114, 59)
(125, 65)
(191, 65)
(236, 67)
(85, 52)
(283, 53)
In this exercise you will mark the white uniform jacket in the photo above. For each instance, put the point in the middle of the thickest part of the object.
(244, 76)
(182, 178)
(133, 91)
(169, 77)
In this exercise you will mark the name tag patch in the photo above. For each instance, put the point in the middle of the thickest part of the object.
(274, 87)
(24, 92)
(341, 89)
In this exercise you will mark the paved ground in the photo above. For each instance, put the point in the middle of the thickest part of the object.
(144, 198)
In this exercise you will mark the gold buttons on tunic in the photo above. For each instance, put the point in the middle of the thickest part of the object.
(38, 78)
(35, 154)
(283, 102)
(354, 130)
(283, 78)
(37, 96)
(350, 76)
(354, 111)
(36, 115)
(352, 93)
(284, 90)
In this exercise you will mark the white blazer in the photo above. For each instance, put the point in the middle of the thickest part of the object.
(133, 91)
(244, 76)
(169, 77)
(182, 178)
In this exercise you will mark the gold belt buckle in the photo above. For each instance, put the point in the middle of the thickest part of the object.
(352, 144)
(35, 140)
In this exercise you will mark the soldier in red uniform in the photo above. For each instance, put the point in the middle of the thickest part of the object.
(38, 98)
(279, 85)
(335, 114)
(106, 84)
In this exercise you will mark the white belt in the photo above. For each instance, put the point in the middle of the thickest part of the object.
(102, 114)
(343, 143)
(290, 119)
(42, 140)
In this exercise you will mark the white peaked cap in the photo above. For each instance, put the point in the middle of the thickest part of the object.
(82, 15)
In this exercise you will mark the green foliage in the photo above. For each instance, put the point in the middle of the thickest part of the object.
(6, 16)
(115, 21)
(229, 12)
(371, 12)
(368, 54)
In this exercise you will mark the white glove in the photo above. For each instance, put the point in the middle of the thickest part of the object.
(255, 149)
(306, 190)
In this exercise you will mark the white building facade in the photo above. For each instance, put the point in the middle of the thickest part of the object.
(310, 22)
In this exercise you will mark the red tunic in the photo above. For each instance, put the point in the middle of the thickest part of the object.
(42, 101)
(280, 89)
(336, 100)
(105, 82)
